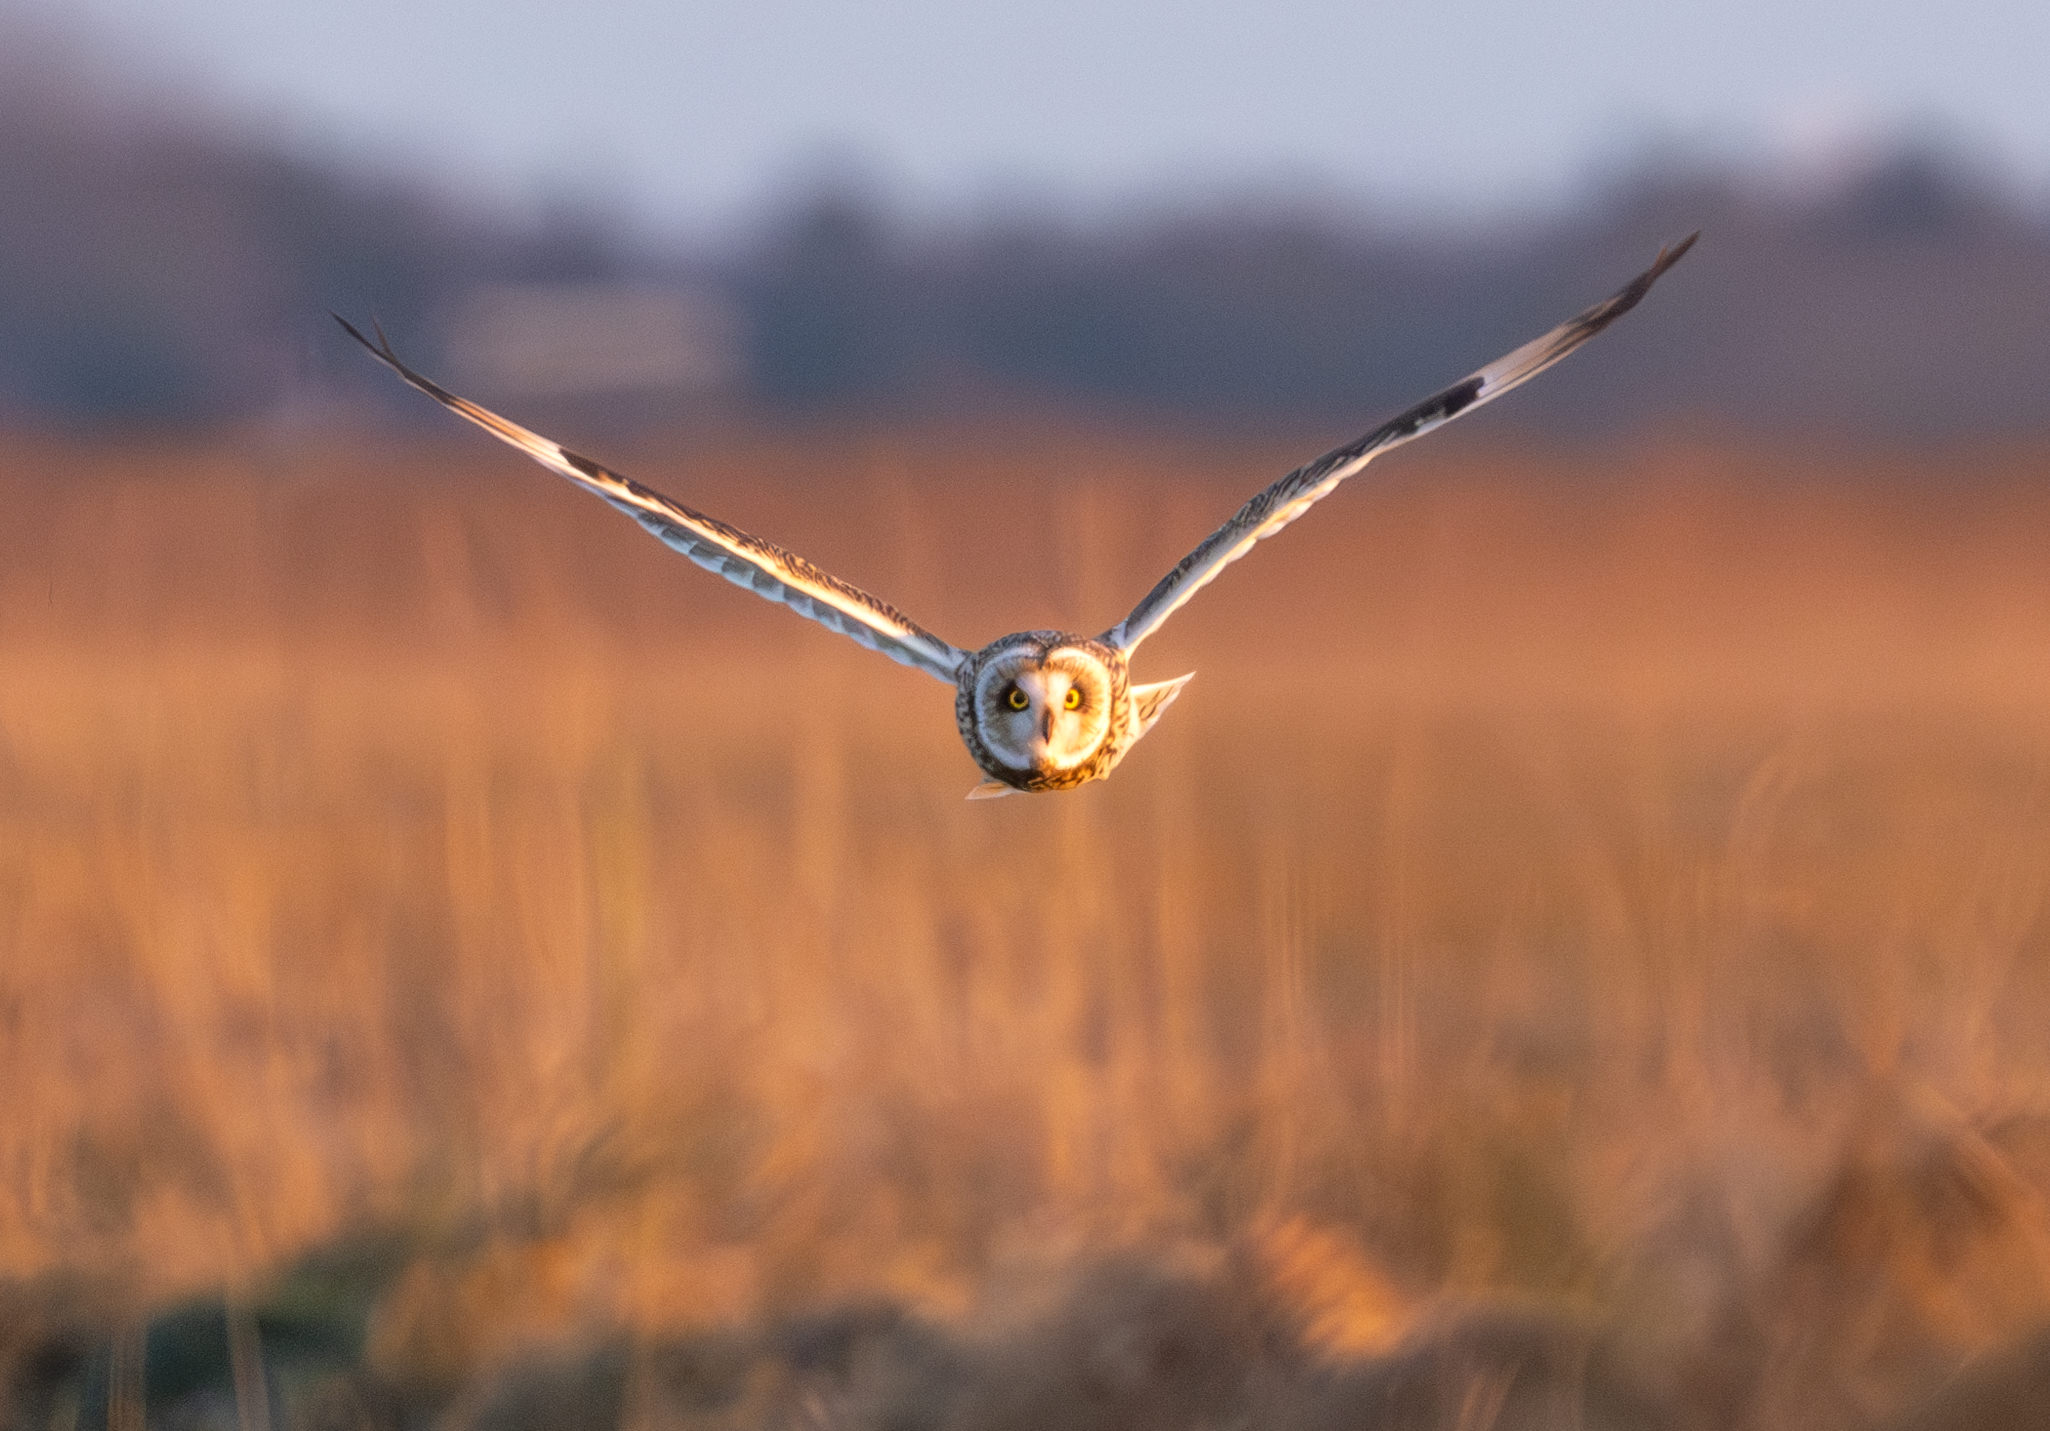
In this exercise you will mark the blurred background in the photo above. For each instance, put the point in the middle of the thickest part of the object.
(1240, 217)
(1578, 955)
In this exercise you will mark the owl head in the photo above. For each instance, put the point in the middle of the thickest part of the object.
(1043, 706)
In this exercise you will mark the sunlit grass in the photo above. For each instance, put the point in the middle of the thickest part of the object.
(1615, 888)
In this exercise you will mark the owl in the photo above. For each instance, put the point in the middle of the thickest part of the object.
(1038, 710)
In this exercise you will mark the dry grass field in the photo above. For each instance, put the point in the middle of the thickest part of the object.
(1577, 955)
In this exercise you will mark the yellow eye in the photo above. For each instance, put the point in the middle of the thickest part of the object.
(1074, 699)
(1018, 700)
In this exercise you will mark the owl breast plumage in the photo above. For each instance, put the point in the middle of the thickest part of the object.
(1038, 710)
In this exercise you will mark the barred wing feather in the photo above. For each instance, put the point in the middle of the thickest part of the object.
(1291, 496)
(762, 567)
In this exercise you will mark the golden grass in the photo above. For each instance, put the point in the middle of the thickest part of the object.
(1619, 882)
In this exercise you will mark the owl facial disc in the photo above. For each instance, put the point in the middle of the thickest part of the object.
(1044, 714)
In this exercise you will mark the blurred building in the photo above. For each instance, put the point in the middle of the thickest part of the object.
(576, 340)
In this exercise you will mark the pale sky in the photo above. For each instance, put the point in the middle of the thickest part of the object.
(695, 111)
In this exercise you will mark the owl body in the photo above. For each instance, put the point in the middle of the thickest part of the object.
(1038, 710)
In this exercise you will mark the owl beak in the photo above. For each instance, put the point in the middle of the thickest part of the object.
(1046, 725)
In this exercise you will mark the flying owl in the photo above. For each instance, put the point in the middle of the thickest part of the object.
(1038, 710)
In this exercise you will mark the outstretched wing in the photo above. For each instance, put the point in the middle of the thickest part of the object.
(762, 567)
(1294, 494)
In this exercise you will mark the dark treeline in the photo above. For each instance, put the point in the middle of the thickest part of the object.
(156, 272)
(1909, 298)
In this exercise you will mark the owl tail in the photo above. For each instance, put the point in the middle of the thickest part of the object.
(1149, 701)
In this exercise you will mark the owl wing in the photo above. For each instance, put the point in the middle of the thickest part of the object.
(1293, 495)
(762, 567)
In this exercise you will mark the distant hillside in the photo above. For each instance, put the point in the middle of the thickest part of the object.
(157, 271)
(156, 267)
